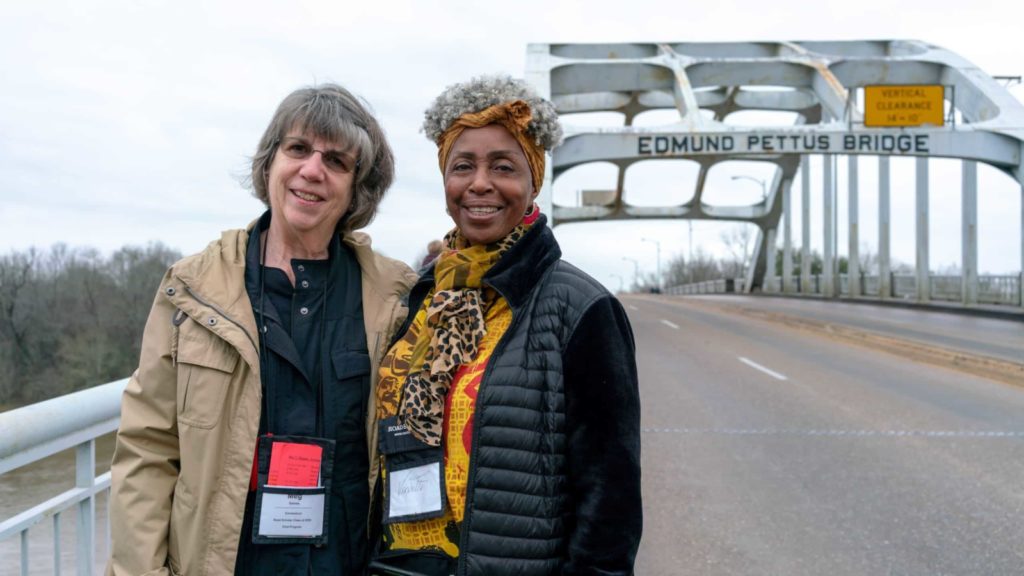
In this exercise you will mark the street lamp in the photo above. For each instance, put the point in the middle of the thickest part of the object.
(689, 245)
(762, 183)
(657, 245)
(636, 270)
(620, 281)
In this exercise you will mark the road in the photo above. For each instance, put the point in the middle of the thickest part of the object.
(774, 451)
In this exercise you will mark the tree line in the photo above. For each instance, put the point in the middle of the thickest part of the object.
(72, 318)
(739, 244)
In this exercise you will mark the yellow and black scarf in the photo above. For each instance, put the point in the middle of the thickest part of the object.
(447, 336)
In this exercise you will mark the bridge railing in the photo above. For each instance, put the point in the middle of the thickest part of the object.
(1005, 290)
(720, 286)
(34, 432)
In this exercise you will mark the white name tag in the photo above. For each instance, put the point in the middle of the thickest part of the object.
(415, 491)
(292, 515)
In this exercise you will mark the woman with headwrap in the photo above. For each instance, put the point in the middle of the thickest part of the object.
(509, 414)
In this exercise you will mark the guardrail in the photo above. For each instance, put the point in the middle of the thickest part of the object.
(1003, 290)
(40, 430)
(721, 286)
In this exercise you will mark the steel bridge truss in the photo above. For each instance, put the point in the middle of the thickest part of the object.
(819, 81)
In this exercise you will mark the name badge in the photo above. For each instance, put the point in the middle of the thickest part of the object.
(294, 478)
(292, 514)
(415, 491)
(413, 475)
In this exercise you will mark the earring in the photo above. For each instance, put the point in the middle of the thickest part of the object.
(531, 209)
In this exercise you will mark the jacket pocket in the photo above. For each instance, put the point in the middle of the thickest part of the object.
(182, 508)
(205, 367)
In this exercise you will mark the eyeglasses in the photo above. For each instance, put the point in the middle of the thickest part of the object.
(300, 149)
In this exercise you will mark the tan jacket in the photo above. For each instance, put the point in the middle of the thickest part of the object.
(191, 412)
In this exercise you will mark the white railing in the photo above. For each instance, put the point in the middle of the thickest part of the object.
(720, 286)
(1007, 290)
(34, 432)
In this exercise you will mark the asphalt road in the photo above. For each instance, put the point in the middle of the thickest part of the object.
(774, 451)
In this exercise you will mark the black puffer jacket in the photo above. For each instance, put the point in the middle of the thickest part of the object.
(554, 481)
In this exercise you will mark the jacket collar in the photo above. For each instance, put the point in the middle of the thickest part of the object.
(525, 263)
(517, 272)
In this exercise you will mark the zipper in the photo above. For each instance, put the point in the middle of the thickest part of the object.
(217, 309)
(473, 460)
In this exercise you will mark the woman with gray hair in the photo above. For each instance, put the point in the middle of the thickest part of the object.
(244, 444)
(508, 410)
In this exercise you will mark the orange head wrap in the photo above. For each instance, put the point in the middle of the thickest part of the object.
(515, 116)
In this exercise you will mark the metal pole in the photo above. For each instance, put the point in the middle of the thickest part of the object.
(921, 263)
(787, 240)
(690, 246)
(805, 224)
(657, 247)
(853, 213)
(56, 544)
(636, 270)
(829, 232)
(24, 552)
(769, 257)
(884, 275)
(85, 464)
(969, 234)
(620, 280)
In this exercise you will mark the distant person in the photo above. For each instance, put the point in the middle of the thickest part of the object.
(509, 409)
(263, 344)
(433, 251)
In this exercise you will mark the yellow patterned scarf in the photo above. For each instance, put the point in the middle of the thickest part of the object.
(451, 334)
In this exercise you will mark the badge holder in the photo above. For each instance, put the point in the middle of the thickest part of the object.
(413, 475)
(292, 492)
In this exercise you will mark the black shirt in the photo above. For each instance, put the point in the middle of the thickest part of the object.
(313, 345)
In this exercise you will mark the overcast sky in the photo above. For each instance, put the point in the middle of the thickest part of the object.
(125, 122)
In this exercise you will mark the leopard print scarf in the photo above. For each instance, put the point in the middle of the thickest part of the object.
(453, 329)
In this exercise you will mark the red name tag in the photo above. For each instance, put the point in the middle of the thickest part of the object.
(294, 465)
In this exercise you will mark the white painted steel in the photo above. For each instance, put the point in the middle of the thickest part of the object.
(921, 262)
(884, 229)
(787, 241)
(969, 233)
(769, 264)
(85, 552)
(853, 228)
(828, 190)
(805, 224)
(34, 432)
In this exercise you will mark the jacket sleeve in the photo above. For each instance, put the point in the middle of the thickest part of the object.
(603, 429)
(145, 467)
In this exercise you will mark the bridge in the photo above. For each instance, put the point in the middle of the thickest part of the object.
(825, 435)
(833, 91)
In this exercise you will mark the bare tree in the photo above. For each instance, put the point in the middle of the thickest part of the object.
(70, 318)
(739, 241)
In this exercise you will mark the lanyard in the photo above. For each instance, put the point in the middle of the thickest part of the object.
(268, 379)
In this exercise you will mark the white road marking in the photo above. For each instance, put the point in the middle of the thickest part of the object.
(670, 324)
(757, 366)
(633, 308)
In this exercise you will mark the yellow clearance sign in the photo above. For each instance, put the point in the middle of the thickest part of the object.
(903, 106)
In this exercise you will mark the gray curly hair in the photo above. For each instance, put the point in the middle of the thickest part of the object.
(485, 91)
